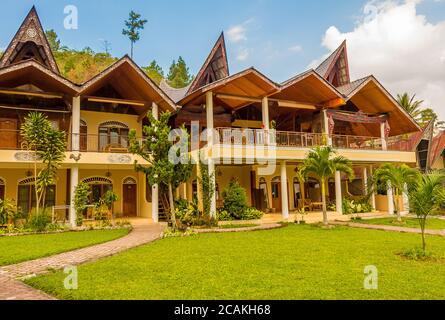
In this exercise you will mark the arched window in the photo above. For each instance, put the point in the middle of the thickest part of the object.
(26, 199)
(99, 186)
(2, 189)
(129, 180)
(113, 134)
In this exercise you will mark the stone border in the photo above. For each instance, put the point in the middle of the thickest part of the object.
(129, 228)
(268, 226)
(389, 228)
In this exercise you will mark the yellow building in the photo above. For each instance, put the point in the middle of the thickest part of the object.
(258, 131)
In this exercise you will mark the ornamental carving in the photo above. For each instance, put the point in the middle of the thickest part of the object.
(26, 156)
(119, 158)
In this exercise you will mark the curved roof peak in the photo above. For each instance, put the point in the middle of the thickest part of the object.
(215, 67)
(335, 68)
(30, 42)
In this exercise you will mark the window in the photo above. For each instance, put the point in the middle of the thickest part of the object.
(27, 196)
(276, 187)
(99, 186)
(263, 188)
(113, 134)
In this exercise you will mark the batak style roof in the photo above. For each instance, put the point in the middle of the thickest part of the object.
(328, 86)
(437, 147)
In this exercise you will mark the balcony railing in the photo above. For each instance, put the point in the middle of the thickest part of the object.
(12, 140)
(251, 137)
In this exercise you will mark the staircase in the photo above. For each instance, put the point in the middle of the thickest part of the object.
(163, 208)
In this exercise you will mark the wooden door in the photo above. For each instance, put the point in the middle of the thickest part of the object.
(129, 200)
(8, 133)
(276, 196)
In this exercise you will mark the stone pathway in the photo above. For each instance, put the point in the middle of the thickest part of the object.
(12, 289)
(390, 228)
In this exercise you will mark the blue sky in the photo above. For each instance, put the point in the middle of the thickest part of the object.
(280, 38)
(189, 28)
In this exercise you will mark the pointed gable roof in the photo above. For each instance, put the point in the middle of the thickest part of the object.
(30, 38)
(215, 66)
(437, 147)
(335, 68)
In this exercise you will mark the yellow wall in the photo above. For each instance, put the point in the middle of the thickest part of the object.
(13, 176)
(94, 119)
(438, 164)
(381, 203)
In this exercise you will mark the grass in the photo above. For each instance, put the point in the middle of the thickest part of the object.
(22, 248)
(431, 223)
(296, 262)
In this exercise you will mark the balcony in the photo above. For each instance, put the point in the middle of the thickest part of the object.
(12, 140)
(289, 139)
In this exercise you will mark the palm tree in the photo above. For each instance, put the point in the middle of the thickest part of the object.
(398, 178)
(426, 197)
(323, 162)
(413, 107)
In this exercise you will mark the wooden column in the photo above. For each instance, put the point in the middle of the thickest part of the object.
(265, 113)
(75, 130)
(326, 127)
(383, 136)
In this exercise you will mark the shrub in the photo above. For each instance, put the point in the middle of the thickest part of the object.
(186, 212)
(235, 199)
(224, 215)
(252, 214)
(8, 212)
(80, 201)
(101, 211)
(38, 220)
(356, 206)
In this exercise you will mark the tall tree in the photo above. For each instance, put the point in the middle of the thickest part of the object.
(179, 75)
(428, 114)
(134, 25)
(154, 71)
(323, 162)
(53, 40)
(157, 151)
(426, 198)
(48, 146)
(413, 107)
(396, 177)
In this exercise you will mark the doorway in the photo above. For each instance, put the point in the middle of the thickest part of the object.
(129, 194)
(276, 194)
(9, 134)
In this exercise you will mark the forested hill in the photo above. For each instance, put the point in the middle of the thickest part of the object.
(81, 65)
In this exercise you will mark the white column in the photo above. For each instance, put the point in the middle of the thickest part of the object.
(154, 188)
(74, 180)
(405, 199)
(390, 199)
(372, 193)
(326, 127)
(75, 120)
(365, 180)
(284, 193)
(211, 164)
(338, 193)
(383, 136)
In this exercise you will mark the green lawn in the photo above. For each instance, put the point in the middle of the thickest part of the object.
(296, 262)
(22, 248)
(432, 223)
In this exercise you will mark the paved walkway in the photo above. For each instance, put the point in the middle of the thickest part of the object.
(390, 228)
(12, 289)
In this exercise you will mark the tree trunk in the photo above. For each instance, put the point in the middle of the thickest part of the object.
(35, 182)
(323, 199)
(422, 227)
(131, 50)
(172, 206)
(396, 205)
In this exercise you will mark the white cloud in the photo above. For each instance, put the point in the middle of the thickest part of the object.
(296, 48)
(400, 47)
(238, 32)
(243, 54)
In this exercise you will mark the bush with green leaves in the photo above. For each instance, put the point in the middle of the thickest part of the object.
(224, 215)
(252, 214)
(235, 199)
(80, 201)
(8, 212)
(186, 212)
(39, 220)
(356, 206)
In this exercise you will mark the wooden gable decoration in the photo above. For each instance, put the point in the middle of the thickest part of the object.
(214, 68)
(335, 68)
(30, 43)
